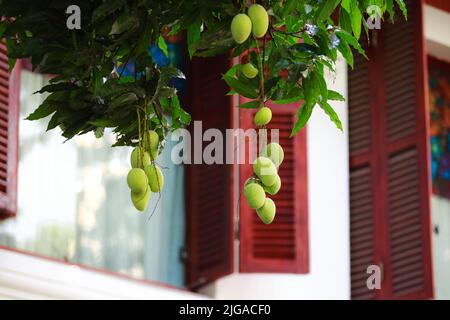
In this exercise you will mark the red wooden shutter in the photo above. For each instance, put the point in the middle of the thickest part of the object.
(283, 245)
(363, 173)
(208, 189)
(9, 124)
(390, 188)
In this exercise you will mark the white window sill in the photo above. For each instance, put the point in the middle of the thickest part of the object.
(24, 276)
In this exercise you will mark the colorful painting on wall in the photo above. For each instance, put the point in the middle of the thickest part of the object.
(439, 86)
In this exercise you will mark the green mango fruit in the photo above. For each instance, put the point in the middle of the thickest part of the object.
(260, 20)
(249, 70)
(241, 27)
(139, 158)
(263, 116)
(155, 178)
(154, 154)
(273, 189)
(274, 152)
(137, 180)
(152, 138)
(265, 170)
(140, 200)
(267, 212)
(255, 195)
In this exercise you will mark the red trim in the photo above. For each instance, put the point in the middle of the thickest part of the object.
(438, 63)
(440, 4)
(8, 203)
(424, 148)
(87, 268)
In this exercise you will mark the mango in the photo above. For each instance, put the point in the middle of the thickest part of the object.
(155, 178)
(140, 200)
(249, 70)
(241, 27)
(267, 212)
(274, 152)
(152, 140)
(273, 189)
(260, 20)
(265, 170)
(139, 158)
(263, 116)
(254, 194)
(137, 180)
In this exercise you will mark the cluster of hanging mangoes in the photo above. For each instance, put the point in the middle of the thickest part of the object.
(256, 22)
(265, 167)
(145, 176)
(266, 179)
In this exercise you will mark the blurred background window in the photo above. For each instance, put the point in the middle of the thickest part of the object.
(74, 203)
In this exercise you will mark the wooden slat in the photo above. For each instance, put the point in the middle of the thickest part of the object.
(283, 245)
(394, 173)
(209, 201)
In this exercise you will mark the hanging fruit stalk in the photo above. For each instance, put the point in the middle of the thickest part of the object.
(265, 167)
(145, 176)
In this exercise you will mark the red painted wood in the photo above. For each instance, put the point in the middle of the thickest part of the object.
(282, 246)
(9, 105)
(398, 162)
(440, 4)
(209, 228)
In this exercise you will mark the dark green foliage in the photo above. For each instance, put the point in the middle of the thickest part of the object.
(88, 94)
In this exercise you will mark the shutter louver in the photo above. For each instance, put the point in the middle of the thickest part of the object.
(9, 121)
(406, 142)
(283, 245)
(209, 214)
(362, 166)
(390, 183)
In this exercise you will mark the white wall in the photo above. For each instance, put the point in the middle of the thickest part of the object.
(329, 276)
(437, 28)
(24, 276)
(441, 247)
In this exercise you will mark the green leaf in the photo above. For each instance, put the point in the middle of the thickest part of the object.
(106, 8)
(311, 89)
(348, 38)
(322, 85)
(241, 88)
(346, 52)
(163, 45)
(346, 4)
(335, 96)
(288, 100)
(11, 61)
(44, 110)
(193, 36)
(289, 7)
(125, 23)
(303, 115)
(345, 21)
(99, 132)
(2, 28)
(251, 105)
(123, 100)
(60, 86)
(403, 8)
(331, 113)
(356, 18)
(167, 92)
(326, 8)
